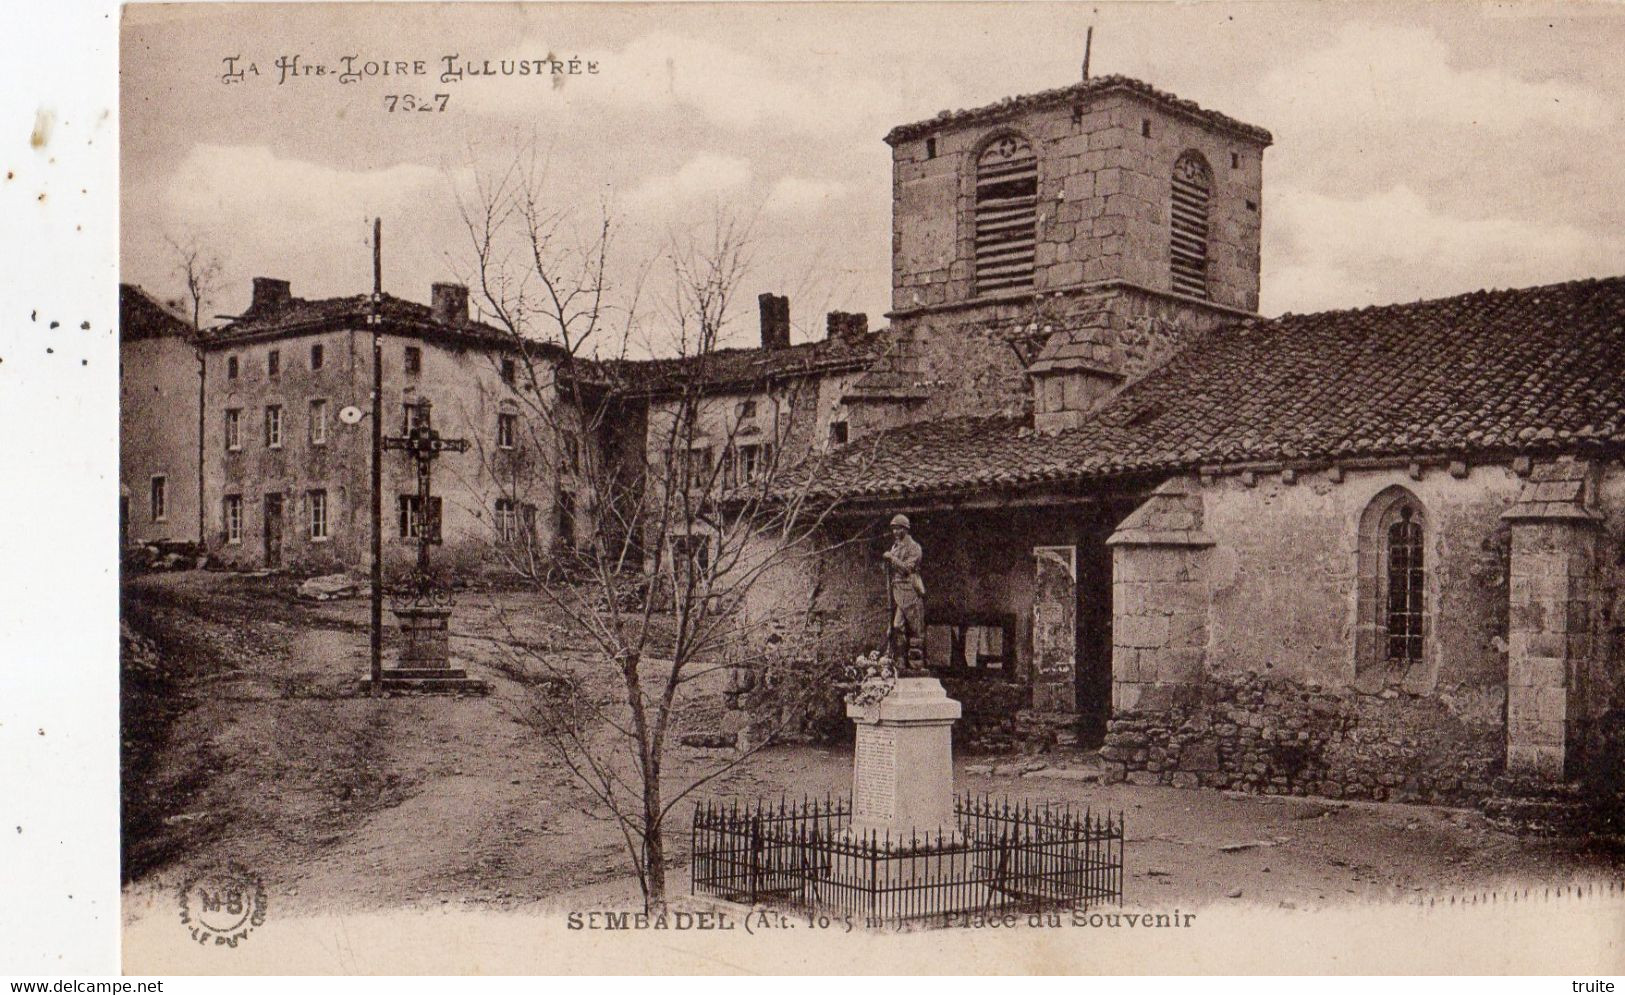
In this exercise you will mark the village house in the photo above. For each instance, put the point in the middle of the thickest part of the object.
(159, 369)
(1367, 553)
(287, 481)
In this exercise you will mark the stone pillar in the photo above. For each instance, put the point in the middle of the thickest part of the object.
(1551, 592)
(1159, 599)
(424, 638)
(902, 764)
(1055, 629)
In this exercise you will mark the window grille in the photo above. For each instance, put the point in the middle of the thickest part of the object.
(1006, 215)
(1188, 230)
(1405, 585)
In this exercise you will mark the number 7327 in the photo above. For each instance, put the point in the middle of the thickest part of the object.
(407, 102)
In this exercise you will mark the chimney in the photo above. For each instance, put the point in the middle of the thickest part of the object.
(448, 303)
(846, 327)
(270, 294)
(775, 321)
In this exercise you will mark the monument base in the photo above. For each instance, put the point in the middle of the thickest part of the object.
(902, 763)
(424, 664)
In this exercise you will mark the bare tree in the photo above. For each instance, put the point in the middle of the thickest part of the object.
(682, 495)
(199, 269)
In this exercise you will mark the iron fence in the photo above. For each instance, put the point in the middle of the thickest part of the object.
(1000, 856)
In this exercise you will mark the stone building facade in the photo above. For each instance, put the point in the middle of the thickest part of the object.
(1369, 553)
(288, 482)
(158, 421)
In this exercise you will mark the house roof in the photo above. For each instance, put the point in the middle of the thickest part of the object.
(737, 368)
(297, 316)
(1070, 94)
(718, 370)
(143, 316)
(1531, 371)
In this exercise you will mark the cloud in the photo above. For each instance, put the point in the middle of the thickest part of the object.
(226, 183)
(1326, 252)
(268, 214)
(795, 195)
(705, 177)
(661, 70)
(1392, 75)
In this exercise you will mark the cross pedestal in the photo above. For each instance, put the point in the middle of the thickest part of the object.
(902, 765)
(424, 663)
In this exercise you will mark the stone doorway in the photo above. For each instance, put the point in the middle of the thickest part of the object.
(273, 531)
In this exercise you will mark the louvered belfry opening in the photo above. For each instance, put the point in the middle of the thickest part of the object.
(1187, 237)
(1006, 215)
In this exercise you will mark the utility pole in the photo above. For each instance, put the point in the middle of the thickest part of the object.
(375, 319)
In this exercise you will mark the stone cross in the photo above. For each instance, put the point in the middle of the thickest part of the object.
(424, 444)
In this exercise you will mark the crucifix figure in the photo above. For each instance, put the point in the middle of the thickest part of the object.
(424, 444)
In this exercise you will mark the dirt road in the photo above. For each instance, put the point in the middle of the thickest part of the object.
(244, 741)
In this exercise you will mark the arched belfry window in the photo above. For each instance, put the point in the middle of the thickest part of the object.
(1188, 224)
(1006, 214)
(1393, 580)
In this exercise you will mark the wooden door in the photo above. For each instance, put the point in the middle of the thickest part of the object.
(273, 531)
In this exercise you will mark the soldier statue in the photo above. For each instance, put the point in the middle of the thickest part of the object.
(906, 591)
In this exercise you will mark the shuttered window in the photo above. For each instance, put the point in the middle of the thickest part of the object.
(1006, 215)
(1192, 192)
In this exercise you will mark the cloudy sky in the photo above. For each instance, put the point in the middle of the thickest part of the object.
(1419, 151)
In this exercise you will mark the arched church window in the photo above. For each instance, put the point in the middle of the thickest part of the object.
(1393, 589)
(1405, 586)
(1006, 214)
(1188, 224)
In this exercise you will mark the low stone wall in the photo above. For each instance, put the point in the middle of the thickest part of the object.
(1275, 736)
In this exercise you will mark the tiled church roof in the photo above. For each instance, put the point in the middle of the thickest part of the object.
(1537, 370)
(1067, 94)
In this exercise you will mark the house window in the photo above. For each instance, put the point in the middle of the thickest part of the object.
(510, 371)
(978, 645)
(1405, 587)
(837, 433)
(411, 417)
(160, 496)
(1006, 215)
(316, 357)
(748, 464)
(570, 453)
(1188, 226)
(690, 558)
(231, 367)
(507, 520)
(317, 502)
(273, 426)
(234, 428)
(507, 429)
(567, 519)
(318, 422)
(233, 514)
(414, 360)
(698, 465)
(746, 409)
(273, 363)
(411, 517)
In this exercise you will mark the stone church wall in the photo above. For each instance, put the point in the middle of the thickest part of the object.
(1243, 668)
